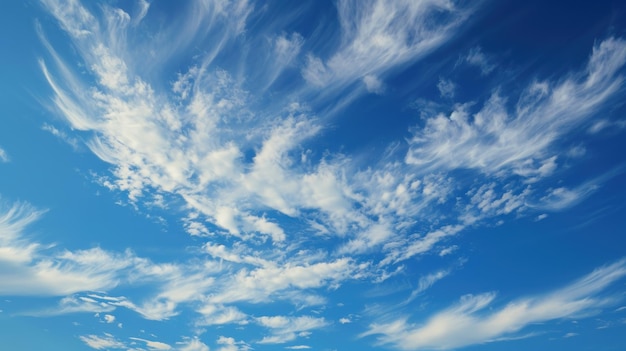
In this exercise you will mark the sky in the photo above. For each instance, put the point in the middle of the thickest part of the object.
(235, 175)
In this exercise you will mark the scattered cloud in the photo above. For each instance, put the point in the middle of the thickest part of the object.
(421, 244)
(102, 342)
(377, 36)
(219, 314)
(373, 84)
(230, 153)
(477, 58)
(284, 329)
(476, 320)
(154, 345)
(495, 140)
(4, 157)
(230, 344)
(558, 199)
(446, 88)
(192, 344)
(427, 281)
(73, 142)
(604, 124)
(109, 318)
(448, 250)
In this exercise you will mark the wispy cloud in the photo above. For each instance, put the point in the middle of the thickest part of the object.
(478, 58)
(230, 344)
(108, 342)
(102, 342)
(426, 282)
(378, 36)
(4, 157)
(280, 220)
(154, 345)
(286, 329)
(558, 199)
(446, 88)
(495, 139)
(73, 142)
(476, 320)
(192, 344)
(43, 270)
(195, 139)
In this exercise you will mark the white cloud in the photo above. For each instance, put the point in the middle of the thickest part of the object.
(476, 320)
(558, 199)
(218, 315)
(193, 344)
(262, 284)
(4, 157)
(198, 141)
(75, 304)
(32, 270)
(446, 88)
(102, 342)
(61, 135)
(142, 10)
(298, 347)
(495, 140)
(36, 269)
(604, 124)
(285, 50)
(154, 345)
(286, 329)
(448, 250)
(427, 281)
(417, 245)
(247, 179)
(109, 318)
(377, 36)
(230, 344)
(477, 58)
(345, 320)
(562, 198)
(373, 84)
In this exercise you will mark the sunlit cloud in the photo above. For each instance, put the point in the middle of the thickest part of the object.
(497, 140)
(309, 163)
(4, 157)
(475, 319)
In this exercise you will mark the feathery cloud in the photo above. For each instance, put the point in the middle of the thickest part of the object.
(4, 157)
(495, 140)
(475, 320)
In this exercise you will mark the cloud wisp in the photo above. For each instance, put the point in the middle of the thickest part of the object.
(4, 156)
(495, 140)
(475, 319)
(377, 35)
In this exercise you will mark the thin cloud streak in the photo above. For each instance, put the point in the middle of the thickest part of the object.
(494, 140)
(4, 156)
(378, 36)
(474, 320)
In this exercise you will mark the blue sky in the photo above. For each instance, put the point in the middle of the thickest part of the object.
(324, 175)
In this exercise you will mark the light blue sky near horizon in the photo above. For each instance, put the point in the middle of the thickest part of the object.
(325, 175)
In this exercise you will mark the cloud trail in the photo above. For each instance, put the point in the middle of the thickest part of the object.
(475, 319)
